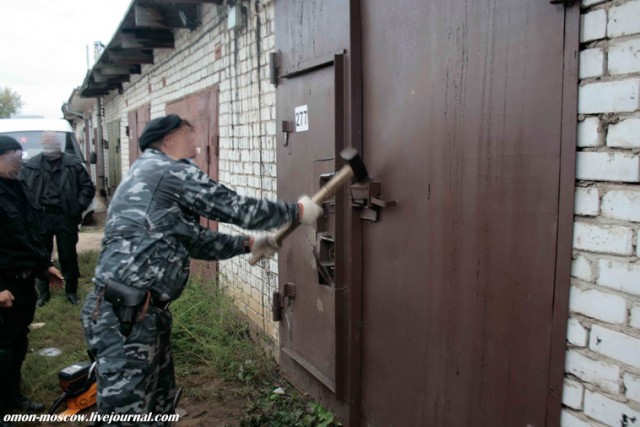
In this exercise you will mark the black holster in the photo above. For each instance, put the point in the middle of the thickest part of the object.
(126, 301)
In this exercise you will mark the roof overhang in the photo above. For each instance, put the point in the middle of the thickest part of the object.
(147, 25)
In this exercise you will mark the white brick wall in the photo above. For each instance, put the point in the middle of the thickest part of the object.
(590, 133)
(591, 63)
(632, 385)
(621, 204)
(572, 394)
(601, 166)
(598, 305)
(602, 385)
(616, 345)
(587, 201)
(594, 237)
(635, 317)
(624, 56)
(569, 419)
(604, 375)
(576, 333)
(625, 134)
(581, 269)
(593, 26)
(609, 97)
(623, 19)
(620, 275)
(609, 411)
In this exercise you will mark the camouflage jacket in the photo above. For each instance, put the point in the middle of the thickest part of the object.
(153, 228)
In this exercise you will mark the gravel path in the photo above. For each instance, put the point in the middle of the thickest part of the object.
(90, 236)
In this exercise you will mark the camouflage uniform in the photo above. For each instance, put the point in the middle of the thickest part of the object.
(151, 233)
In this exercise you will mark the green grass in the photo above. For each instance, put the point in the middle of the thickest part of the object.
(208, 330)
(62, 330)
(215, 355)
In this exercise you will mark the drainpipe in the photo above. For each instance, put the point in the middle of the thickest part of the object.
(100, 183)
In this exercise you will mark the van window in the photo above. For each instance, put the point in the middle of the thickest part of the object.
(30, 141)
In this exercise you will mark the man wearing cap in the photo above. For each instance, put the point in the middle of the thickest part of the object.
(23, 256)
(63, 189)
(152, 231)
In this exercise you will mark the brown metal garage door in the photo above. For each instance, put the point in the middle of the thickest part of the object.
(201, 110)
(310, 108)
(463, 126)
(450, 308)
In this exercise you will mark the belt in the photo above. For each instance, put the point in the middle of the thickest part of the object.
(154, 301)
(51, 209)
(20, 274)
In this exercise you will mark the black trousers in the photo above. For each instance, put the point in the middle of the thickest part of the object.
(14, 328)
(65, 231)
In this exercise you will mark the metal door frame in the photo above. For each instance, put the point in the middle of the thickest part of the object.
(564, 245)
(115, 151)
(339, 386)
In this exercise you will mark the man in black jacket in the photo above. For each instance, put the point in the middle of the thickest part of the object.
(63, 188)
(23, 256)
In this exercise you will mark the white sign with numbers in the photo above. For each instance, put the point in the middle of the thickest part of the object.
(302, 119)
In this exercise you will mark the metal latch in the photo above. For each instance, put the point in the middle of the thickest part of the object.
(287, 128)
(282, 300)
(367, 197)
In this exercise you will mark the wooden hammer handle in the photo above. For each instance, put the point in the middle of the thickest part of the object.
(327, 190)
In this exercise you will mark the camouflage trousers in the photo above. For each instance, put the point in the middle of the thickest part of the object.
(134, 373)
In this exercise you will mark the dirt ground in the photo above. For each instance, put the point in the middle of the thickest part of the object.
(90, 236)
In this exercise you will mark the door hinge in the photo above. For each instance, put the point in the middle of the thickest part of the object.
(208, 154)
(367, 197)
(282, 300)
(273, 68)
(564, 2)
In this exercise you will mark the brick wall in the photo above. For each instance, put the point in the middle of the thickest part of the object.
(237, 63)
(602, 385)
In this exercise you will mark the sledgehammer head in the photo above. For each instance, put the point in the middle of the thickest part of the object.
(351, 156)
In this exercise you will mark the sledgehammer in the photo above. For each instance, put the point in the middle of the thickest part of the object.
(354, 168)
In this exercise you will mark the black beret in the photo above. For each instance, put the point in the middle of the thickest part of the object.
(156, 129)
(7, 144)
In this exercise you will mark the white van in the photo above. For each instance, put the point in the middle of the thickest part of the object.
(28, 132)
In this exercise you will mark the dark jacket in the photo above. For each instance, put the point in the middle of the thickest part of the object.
(21, 247)
(76, 188)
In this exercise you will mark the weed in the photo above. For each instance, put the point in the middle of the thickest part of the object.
(216, 359)
(209, 330)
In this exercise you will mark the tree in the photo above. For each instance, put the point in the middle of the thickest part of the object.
(10, 102)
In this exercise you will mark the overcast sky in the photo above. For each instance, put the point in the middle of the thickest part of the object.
(43, 47)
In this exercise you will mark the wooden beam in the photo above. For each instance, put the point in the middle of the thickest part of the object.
(113, 70)
(163, 16)
(130, 56)
(95, 90)
(147, 17)
(146, 38)
(98, 77)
